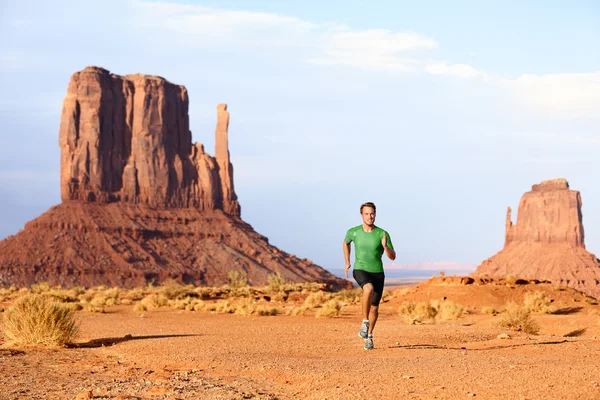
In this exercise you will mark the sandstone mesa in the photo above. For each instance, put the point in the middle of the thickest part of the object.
(141, 203)
(547, 241)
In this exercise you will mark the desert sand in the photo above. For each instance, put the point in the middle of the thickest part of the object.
(175, 354)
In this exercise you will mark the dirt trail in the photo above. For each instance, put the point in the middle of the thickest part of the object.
(188, 355)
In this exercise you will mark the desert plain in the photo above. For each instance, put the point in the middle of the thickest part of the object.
(297, 352)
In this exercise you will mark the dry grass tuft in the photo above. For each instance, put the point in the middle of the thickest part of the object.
(349, 296)
(140, 308)
(276, 282)
(511, 280)
(330, 309)
(302, 310)
(489, 310)
(237, 279)
(417, 313)
(448, 310)
(518, 318)
(317, 299)
(154, 301)
(538, 303)
(39, 319)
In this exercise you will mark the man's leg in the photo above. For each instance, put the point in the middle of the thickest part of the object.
(367, 299)
(373, 315)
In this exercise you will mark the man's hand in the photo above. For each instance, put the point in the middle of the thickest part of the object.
(384, 240)
(346, 268)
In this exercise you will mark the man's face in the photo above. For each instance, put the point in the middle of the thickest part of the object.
(368, 215)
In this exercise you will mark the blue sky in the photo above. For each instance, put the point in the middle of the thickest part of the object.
(442, 113)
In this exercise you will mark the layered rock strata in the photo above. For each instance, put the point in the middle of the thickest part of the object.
(547, 241)
(140, 202)
(127, 139)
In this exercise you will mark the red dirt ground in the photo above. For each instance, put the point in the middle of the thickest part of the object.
(200, 355)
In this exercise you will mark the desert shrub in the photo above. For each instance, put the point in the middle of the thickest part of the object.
(276, 282)
(172, 290)
(8, 293)
(330, 309)
(243, 291)
(40, 288)
(243, 307)
(511, 280)
(537, 302)
(39, 319)
(417, 312)
(126, 302)
(140, 308)
(489, 310)
(518, 318)
(237, 279)
(448, 310)
(135, 294)
(300, 310)
(206, 293)
(349, 296)
(95, 305)
(154, 300)
(317, 299)
(266, 310)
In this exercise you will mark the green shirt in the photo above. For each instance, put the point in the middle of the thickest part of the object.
(368, 248)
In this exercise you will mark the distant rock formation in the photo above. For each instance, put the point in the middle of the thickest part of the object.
(127, 139)
(547, 242)
(140, 202)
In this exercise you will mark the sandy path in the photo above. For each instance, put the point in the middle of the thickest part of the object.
(308, 358)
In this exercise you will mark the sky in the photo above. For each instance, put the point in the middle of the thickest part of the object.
(443, 113)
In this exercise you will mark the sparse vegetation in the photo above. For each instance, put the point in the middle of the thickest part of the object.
(317, 299)
(349, 296)
(276, 282)
(518, 318)
(448, 310)
(331, 309)
(417, 313)
(537, 302)
(237, 279)
(511, 280)
(489, 310)
(39, 319)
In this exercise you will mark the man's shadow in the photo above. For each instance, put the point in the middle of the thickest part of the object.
(112, 341)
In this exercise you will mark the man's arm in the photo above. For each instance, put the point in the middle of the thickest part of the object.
(391, 253)
(347, 249)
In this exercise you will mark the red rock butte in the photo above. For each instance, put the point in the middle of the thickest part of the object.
(140, 202)
(547, 241)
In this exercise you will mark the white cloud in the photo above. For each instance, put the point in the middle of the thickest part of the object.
(325, 44)
(373, 49)
(566, 95)
(457, 70)
(211, 27)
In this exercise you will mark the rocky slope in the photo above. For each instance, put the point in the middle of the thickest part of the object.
(547, 241)
(140, 202)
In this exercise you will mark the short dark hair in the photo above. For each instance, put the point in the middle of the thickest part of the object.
(368, 204)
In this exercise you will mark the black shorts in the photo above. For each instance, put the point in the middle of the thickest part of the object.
(377, 279)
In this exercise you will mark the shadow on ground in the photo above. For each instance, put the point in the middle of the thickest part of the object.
(567, 310)
(437, 347)
(112, 341)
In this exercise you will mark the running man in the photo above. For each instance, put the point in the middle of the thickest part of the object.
(370, 242)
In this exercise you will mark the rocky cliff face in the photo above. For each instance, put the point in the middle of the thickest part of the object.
(141, 203)
(549, 213)
(547, 241)
(127, 139)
